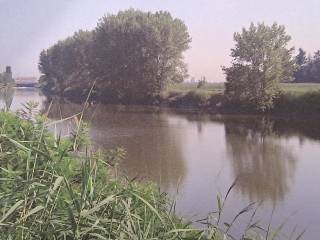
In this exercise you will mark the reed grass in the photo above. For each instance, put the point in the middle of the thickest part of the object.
(50, 190)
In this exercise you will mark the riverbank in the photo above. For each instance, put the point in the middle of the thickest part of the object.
(295, 100)
(286, 105)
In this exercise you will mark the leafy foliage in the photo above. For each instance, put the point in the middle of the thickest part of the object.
(64, 65)
(261, 60)
(130, 56)
(309, 68)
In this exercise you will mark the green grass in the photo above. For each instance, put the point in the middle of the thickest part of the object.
(217, 88)
(50, 189)
(300, 88)
(208, 88)
(296, 99)
(189, 96)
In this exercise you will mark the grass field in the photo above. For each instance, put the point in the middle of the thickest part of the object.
(214, 88)
(300, 88)
(207, 89)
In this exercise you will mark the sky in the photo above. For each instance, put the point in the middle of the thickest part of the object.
(29, 26)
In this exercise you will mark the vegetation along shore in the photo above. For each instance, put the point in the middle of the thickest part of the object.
(62, 188)
(136, 57)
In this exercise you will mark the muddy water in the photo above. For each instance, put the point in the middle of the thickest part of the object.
(195, 157)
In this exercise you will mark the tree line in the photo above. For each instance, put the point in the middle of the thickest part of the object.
(133, 56)
(308, 67)
(130, 56)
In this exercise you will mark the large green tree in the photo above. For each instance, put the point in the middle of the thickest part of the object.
(131, 56)
(137, 54)
(261, 59)
(64, 65)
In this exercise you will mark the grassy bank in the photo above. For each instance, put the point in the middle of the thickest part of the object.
(295, 99)
(218, 88)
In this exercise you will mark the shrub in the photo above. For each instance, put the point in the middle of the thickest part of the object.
(192, 99)
(306, 104)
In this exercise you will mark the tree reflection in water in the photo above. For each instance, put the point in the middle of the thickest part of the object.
(263, 164)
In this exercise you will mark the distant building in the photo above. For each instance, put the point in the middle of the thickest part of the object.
(6, 77)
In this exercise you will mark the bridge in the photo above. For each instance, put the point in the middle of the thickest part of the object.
(26, 82)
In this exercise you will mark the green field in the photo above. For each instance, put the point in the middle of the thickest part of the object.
(300, 88)
(214, 88)
(207, 89)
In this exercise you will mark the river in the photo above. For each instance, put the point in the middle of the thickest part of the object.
(195, 157)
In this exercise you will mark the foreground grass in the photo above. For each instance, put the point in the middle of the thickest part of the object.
(50, 189)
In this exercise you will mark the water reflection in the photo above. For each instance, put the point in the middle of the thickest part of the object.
(154, 149)
(264, 165)
(13, 99)
(6, 98)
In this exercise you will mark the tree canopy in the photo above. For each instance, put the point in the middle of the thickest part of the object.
(130, 56)
(64, 66)
(308, 67)
(261, 59)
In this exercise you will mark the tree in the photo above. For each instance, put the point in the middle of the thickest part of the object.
(315, 67)
(64, 65)
(261, 60)
(201, 82)
(137, 54)
(131, 56)
(301, 61)
(301, 58)
(309, 70)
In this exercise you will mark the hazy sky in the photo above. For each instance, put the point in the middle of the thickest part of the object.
(28, 26)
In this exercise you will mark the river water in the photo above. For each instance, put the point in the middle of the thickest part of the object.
(196, 157)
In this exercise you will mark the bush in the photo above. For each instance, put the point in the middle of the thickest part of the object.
(306, 104)
(191, 99)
